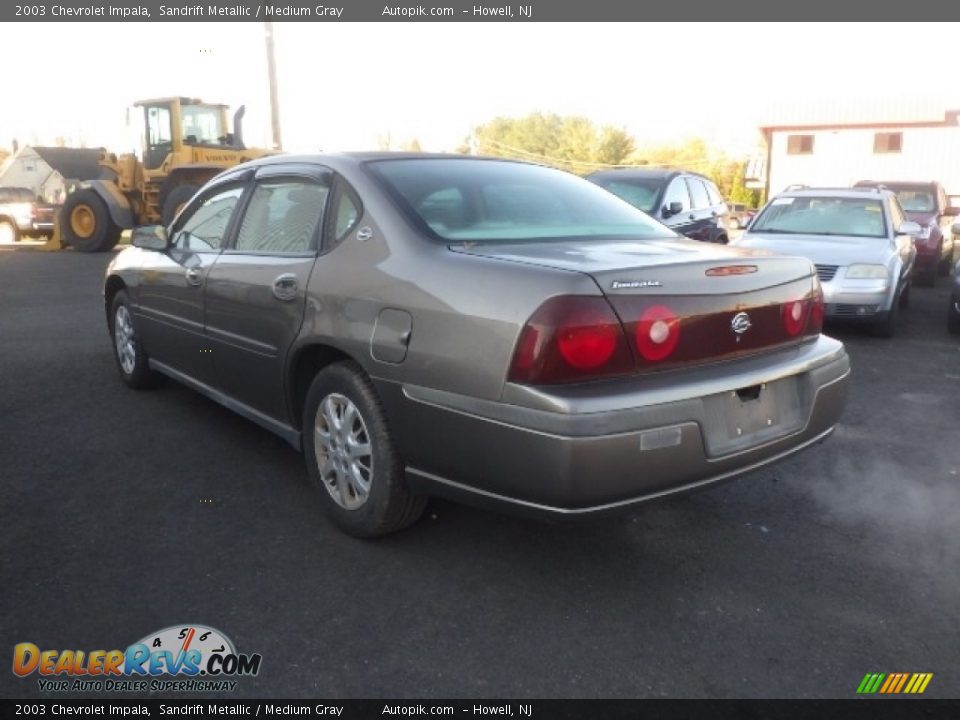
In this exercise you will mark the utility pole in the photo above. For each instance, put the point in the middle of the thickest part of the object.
(272, 76)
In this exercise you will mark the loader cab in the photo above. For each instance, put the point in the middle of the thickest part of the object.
(171, 124)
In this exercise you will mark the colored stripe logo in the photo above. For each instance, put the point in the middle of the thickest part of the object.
(894, 683)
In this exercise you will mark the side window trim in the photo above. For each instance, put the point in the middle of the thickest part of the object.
(280, 174)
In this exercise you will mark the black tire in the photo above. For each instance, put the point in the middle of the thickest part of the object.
(177, 198)
(9, 230)
(927, 278)
(137, 374)
(905, 297)
(723, 239)
(887, 327)
(953, 317)
(86, 224)
(387, 505)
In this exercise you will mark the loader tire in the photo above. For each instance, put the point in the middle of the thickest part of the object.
(177, 198)
(86, 224)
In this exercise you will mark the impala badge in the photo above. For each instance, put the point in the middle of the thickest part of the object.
(740, 323)
(622, 284)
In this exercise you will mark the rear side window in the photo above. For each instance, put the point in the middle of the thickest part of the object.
(282, 217)
(205, 227)
(346, 213)
(698, 193)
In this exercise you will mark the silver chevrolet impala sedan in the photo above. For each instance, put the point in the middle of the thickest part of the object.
(492, 331)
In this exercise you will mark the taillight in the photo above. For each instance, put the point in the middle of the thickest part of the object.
(794, 314)
(657, 333)
(571, 339)
(816, 312)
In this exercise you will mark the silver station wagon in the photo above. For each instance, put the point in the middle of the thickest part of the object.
(487, 330)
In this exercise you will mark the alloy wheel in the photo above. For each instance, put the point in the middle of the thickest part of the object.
(343, 451)
(124, 340)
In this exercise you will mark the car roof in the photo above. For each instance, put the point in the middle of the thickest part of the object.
(898, 183)
(865, 193)
(641, 172)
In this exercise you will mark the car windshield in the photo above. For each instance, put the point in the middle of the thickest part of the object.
(822, 216)
(502, 201)
(917, 200)
(640, 192)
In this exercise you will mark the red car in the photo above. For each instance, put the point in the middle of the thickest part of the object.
(926, 204)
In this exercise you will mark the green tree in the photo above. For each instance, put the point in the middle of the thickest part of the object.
(572, 143)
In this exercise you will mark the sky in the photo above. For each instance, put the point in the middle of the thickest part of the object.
(353, 86)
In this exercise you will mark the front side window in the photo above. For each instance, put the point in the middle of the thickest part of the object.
(504, 201)
(205, 228)
(677, 193)
(282, 217)
(822, 216)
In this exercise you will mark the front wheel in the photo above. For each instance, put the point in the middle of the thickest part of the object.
(887, 327)
(351, 456)
(132, 359)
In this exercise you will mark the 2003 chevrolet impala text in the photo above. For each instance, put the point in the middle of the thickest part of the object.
(488, 330)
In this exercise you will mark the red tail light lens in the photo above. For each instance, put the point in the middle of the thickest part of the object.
(794, 316)
(816, 312)
(571, 339)
(657, 333)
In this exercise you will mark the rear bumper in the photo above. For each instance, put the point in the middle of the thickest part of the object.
(662, 439)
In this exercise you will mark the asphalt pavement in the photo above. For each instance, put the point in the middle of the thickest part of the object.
(125, 512)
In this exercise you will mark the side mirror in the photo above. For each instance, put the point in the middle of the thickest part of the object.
(150, 237)
(671, 209)
(952, 211)
(908, 227)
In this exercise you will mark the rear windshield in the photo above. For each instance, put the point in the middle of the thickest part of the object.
(502, 201)
(822, 216)
(15, 194)
(642, 193)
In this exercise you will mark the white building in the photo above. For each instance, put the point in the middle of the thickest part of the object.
(50, 172)
(833, 147)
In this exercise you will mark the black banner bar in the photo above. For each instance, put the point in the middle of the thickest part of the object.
(333, 11)
(859, 709)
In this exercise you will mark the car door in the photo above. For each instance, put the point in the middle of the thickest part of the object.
(171, 292)
(256, 291)
(904, 246)
(703, 219)
(677, 192)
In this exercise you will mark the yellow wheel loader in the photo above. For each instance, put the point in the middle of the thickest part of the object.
(185, 143)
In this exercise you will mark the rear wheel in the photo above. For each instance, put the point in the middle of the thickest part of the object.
(953, 316)
(86, 223)
(9, 233)
(351, 456)
(177, 198)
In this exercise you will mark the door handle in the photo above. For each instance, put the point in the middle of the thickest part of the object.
(285, 287)
(194, 276)
(692, 216)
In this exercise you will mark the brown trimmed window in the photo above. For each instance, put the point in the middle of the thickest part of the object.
(799, 144)
(887, 142)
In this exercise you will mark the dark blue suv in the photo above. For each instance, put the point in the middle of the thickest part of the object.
(686, 202)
